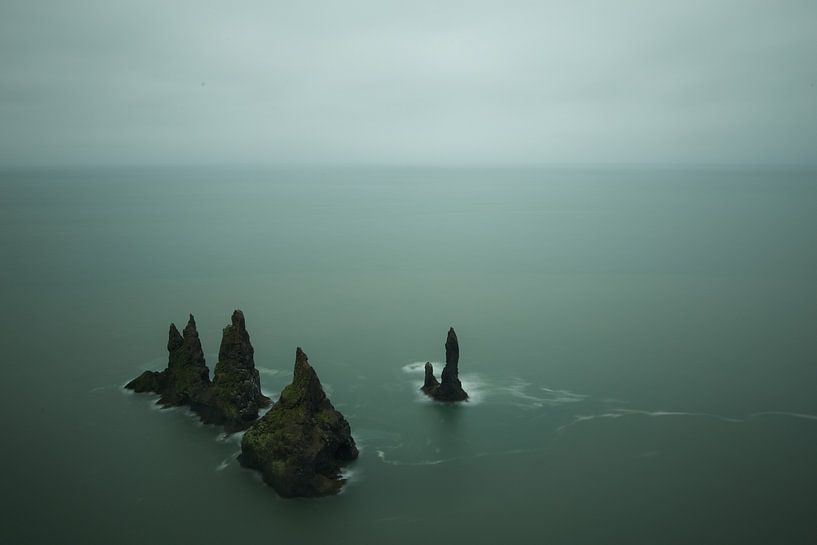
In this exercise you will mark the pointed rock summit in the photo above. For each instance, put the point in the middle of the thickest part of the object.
(301, 443)
(236, 391)
(234, 396)
(450, 387)
(430, 383)
(186, 379)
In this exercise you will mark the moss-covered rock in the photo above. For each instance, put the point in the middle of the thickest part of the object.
(301, 443)
(449, 388)
(186, 380)
(235, 396)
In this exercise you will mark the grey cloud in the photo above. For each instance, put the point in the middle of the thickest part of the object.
(397, 82)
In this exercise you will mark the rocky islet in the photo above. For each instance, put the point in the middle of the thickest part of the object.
(449, 388)
(302, 442)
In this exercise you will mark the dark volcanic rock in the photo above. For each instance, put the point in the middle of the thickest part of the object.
(186, 379)
(430, 383)
(235, 396)
(301, 443)
(450, 387)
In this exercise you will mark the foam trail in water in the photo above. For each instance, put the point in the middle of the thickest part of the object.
(782, 413)
(382, 456)
(514, 391)
(350, 475)
(418, 367)
(106, 387)
(619, 413)
(235, 438)
(678, 413)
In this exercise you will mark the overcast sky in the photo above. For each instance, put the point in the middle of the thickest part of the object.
(715, 81)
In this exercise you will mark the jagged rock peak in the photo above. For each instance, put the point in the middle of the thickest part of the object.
(236, 393)
(190, 328)
(300, 357)
(452, 349)
(449, 388)
(430, 381)
(306, 387)
(186, 379)
(236, 348)
(174, 338)
(190, 352)
(237, 320)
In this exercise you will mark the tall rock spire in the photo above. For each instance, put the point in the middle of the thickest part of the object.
(450, 387)
(236, 388)
(186, 379)
(430, 382)
(306, 389)
(232, 398)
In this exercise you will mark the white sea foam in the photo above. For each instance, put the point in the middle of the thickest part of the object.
(418, 463)
(268, 371)
(678, 413)
(350, 475)
(351, 478)
(514, 390)
(782, 413)
(477, 388)
(156, 406)
(584, 417)
(364, 438)
(520, 390)
(619, 413)
(434, 462)
(225, 437)
(272, 394)
(418, 367)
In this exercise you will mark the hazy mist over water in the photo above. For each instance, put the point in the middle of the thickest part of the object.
(424, 82)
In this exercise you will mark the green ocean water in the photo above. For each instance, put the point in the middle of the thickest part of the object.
(639, 344)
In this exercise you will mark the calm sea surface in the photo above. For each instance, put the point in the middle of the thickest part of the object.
(640, 346)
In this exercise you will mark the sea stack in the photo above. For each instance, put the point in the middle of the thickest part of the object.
(186, 379)
(450, 387)
(235, 396)
(430, 382)
(301, 443)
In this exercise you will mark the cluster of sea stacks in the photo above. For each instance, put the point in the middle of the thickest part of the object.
(301, 443)
(231, 399)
